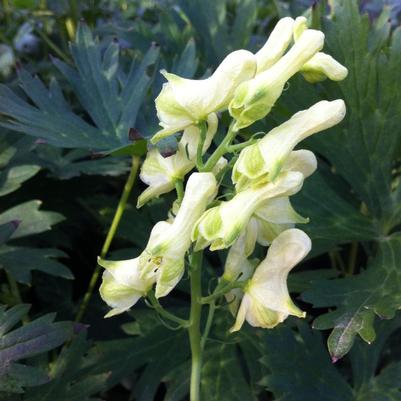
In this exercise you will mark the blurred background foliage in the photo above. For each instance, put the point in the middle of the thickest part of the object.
(79, 80)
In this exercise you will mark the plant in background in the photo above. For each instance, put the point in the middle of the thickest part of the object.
(256, 208)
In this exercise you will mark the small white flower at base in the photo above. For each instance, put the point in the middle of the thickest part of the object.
(266, 301)
(161, 173)
(321, 65)
(184, 102)
(220, 226)
(163, 259)
(254, 99)
(122, 286)
(270, 153)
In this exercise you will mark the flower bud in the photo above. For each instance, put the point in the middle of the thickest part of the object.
(270, 153)
(255, 98)
(266, 300)
(163, 258)
(220, 226)
(184, 102)
(161, 173)
(321, 65)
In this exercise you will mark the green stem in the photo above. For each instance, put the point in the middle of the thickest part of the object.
(352, 258)
(162, 312)
(14, 288)
(179, 187)
(221, 149)
(7, 12)
(53, 46)
(199, 151)
(209, 321)
(195, 338)
(221, 290)
(240, 146)
(110, 235)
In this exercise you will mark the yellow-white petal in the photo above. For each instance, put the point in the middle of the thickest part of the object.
(276, 44)
(222, 225)
(255, 98)
(267, 302)
(185, 102)
(161, 173)
(273, 150)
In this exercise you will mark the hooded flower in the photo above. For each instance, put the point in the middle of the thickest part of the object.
(266, 300)
(163, 258)
(122, 287)
(276, 44)
(255, 98)
(321, 65)
(161, 173)
(184, 102)
(270, 153)
(220, 226)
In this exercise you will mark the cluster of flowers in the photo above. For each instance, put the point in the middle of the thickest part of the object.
(267, 172)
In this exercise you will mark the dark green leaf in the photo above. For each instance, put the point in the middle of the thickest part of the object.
(111, 98)
(300, 368)
(32, 220)
(358, 298)
(19, 262)
(33, 338)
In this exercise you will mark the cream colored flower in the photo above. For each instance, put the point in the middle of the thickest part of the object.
(122, 287)
(254, 98)
(269, 154)
(321, 65)
(161, 173)
(276, 44)
(163, 258)
(266, 300)
(220, 226)
(184, 102)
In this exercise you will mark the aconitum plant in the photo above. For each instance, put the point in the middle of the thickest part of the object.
(265, 172)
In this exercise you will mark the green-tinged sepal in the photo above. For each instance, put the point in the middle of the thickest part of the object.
(161, 173)
(276, 146)
(255, 98)
(221, 226)
(184, 102)
(266, 301)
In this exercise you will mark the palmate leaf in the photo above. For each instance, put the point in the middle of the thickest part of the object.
(20, 261)
(300, 368)
(110, 97)
(33, 338)
(375, 291)
(363, 148)
(83, 369)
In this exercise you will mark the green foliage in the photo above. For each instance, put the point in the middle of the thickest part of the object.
(31, 339)
(110, 97)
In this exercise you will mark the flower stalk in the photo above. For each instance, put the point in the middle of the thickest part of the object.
(135, 162)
